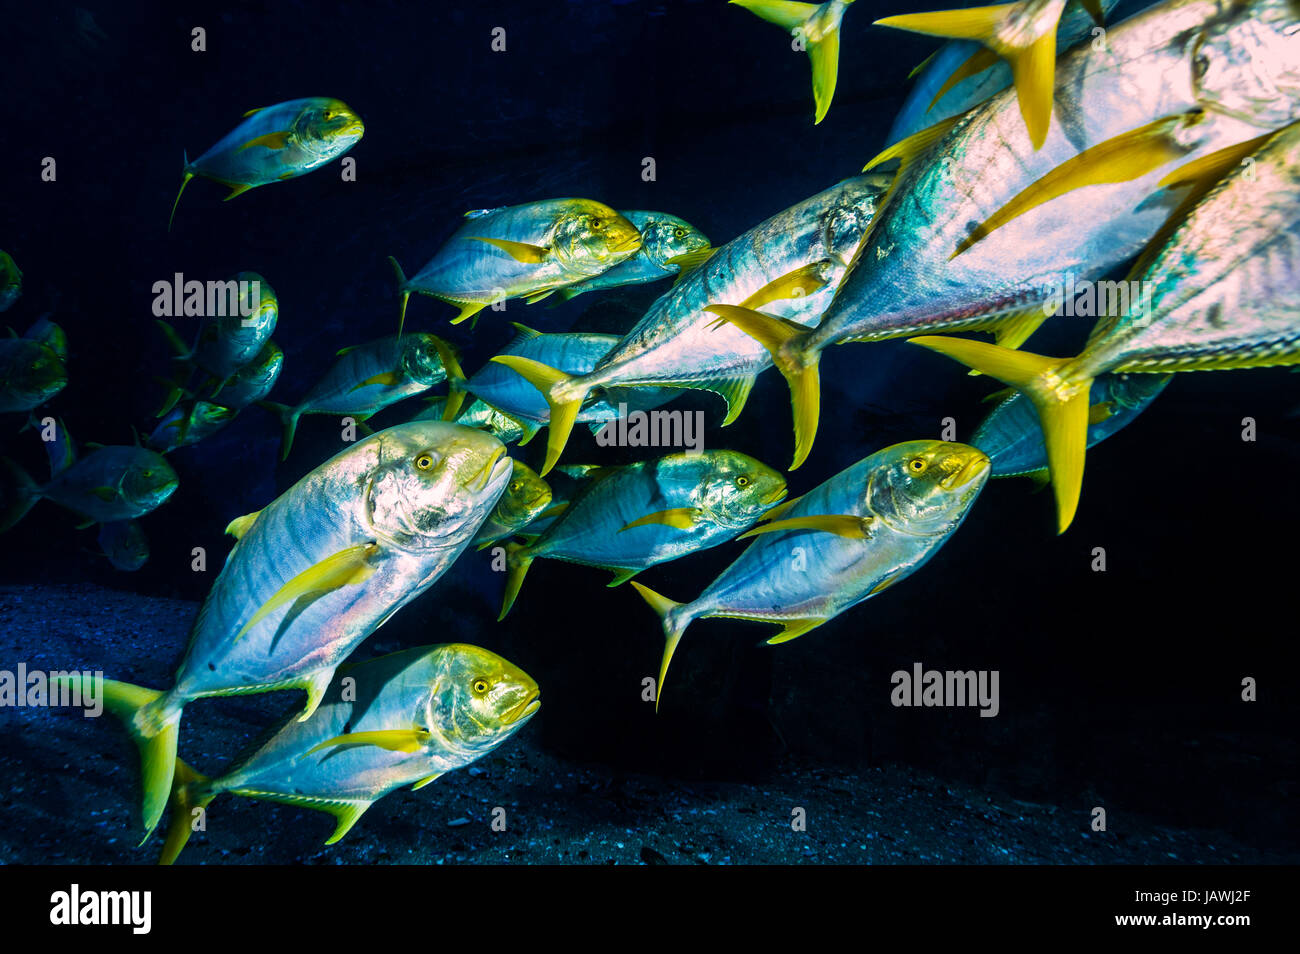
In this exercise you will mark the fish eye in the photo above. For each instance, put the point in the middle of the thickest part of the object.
(917, 465)
(146, 473)
(516, 486)
(596, 223)
(679, 232)
(424, 461)
(742, 481)
(481, 687)
(329, 114)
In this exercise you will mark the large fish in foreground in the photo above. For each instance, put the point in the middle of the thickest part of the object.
(669, 245)
(406, 719)
(316, 571)
(980, 223)
(276, 143)
(369, 377)
(522, 251)
(788, 266)
(1223, 292)
(626, 519)
(844, 541)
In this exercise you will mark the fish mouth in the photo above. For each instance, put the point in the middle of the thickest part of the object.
(629, 244)
(775, 497)
(972, 470)
(479, 480)
(524, 709)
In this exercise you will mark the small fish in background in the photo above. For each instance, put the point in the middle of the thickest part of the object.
(225, 344)
(188, 423)
(408, 718)
(106, 485)
(33, 368)
(844, 541)
(669, 246)
(478, 415)
(254, 381)
(1012, 437)
(11, 281)
(522, 251)
(1023, 33)
(125, 545)
(88, 31)
(525, 497)
(818, 26)
(789, 265)
(573, 353)
(635, 516)
(276, 143)
(1222, 297)
(315, 572)
(369, 377)
(963, 73)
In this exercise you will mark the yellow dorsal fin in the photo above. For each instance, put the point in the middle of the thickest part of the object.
(241, 525)
(251, 111)
(981, 60)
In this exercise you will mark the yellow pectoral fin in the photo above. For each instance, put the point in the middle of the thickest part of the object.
(519, 251)
(1099, 412)
(272, 141)
(106, 494)
(387, 378)
(886, 583)
(842, 525)
(825, 56)
(689, 261)
(395, 740)
(344, 568)
(801, 282)
(426, 780)
(683, 518)
(240, 525)
(1126, 157)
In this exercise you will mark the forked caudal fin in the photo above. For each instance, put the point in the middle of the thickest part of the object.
(518, 560)
(820, 34)
(402, 290)
(1062, 406)
(673, 630)
(786, 341)
(563, 409)
(187, 176)
(154, 726)
(288, 421)
(1022, 33)
(189, 795)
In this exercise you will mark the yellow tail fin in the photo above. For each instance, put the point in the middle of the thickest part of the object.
(564, 411)
(673, 630)
(786, 342)
(155, 728)
(189, 795)
(518, 560)
(1028, 45)
(1062, 406)
(455, 379)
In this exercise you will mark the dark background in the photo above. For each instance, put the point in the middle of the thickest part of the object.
(1118, 688)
